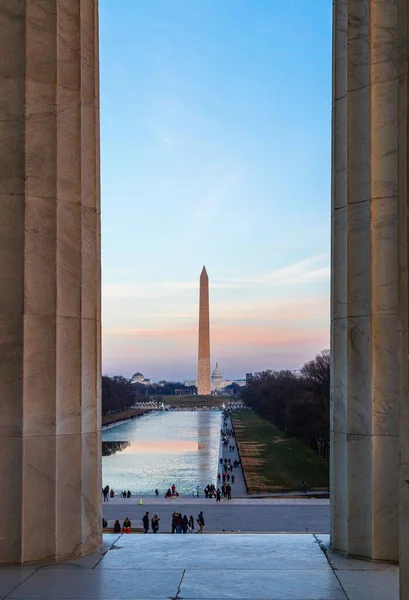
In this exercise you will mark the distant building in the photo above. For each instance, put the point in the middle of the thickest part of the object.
(249, 378)
(139, 378)
(217, 379)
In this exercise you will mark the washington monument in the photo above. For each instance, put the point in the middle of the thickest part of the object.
(203, 369)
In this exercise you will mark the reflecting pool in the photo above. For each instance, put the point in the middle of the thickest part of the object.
(157, 450)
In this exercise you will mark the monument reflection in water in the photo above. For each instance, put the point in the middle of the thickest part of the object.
(163, 448)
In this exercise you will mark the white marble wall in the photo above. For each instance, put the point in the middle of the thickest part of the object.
(50, 441)
(365, 341)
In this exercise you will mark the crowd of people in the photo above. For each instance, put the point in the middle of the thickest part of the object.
(170, 492)
(183, 524)
(180, 524)
(108, 493)
(225, 475)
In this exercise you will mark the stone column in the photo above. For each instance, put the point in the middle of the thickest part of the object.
(365, 342)
(50, 441)
(403, 153)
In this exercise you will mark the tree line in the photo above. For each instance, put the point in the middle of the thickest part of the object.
(118, 393)
(297, 403)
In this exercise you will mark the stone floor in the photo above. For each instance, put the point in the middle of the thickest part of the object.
(201, 567)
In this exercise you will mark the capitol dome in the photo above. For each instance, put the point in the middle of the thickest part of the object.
(217, 373)
(217, 378)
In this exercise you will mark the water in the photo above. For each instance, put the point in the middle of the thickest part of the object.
(160, 449)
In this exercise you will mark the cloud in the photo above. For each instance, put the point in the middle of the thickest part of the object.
(246, 335)
(303, 271)
(153, 334)
(172, 353)
(249, 310)
(157, 289)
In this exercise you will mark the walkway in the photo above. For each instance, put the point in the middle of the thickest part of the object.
(238, 487)
(204, 567)
(243, 514)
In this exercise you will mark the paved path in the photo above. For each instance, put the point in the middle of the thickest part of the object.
(235, 515)
(248, 501)
(204, 567)
(238, 487)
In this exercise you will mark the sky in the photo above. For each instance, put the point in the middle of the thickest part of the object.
(215, 150)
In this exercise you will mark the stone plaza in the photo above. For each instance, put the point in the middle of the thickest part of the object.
(50, 323)
(242, 515)
(201, 567)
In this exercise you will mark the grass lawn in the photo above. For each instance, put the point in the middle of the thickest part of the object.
(273, 462)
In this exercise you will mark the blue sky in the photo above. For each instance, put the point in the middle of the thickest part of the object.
(215, 149)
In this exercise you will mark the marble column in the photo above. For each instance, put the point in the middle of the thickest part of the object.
(50, 440)
(365, 341)
(403, 162)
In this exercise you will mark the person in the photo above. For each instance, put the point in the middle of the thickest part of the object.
(117, 527)
(185, 524)
(303, 487)
(197, 491)
(173, 488)
(127, 525)
(191, 524)
(201, 522)
(218, 477)
(174, 518)
(145, 521)
(218, 495)
(232, 478)
(156, 492)
(179, 523)
(104, 523)
(128, 494)
(228, 491)
(112, 493)
(155, 523)
(193, 493)
(105, 492)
